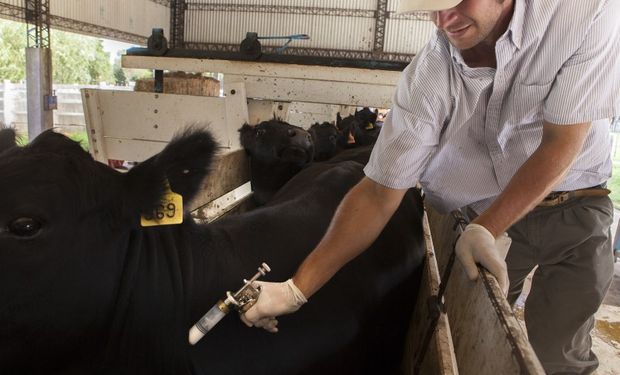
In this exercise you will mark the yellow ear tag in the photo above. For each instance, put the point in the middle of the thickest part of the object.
(169, 211)
(369, 126)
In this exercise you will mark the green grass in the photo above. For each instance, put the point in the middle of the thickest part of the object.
(80, 137)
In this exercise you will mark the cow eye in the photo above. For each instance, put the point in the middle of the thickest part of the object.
(24, 227)
(260, 132)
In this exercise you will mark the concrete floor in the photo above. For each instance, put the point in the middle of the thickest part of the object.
(606, 334)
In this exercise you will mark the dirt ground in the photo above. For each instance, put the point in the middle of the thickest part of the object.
(606, 333)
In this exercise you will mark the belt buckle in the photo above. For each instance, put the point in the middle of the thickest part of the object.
(563, 197)
(555, 198)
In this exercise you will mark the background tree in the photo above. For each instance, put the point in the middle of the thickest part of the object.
(12, 54)
(76, 59)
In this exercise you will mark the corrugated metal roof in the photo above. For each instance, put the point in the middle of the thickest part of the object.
(135, 16)
(406, 36)
(358, 29)
(371, 26)
(231, 27)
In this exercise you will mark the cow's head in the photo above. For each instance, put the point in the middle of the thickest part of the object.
(65, 222)
(367, 118)
(356, 132)
(349, 128)
(325, 137)
(276, 141)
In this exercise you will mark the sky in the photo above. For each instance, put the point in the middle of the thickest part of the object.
(112, 47)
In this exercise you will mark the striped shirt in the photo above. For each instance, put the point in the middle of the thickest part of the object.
(463, 132)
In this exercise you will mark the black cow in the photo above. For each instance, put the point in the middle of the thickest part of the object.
(325, 137)
(356, 130)
(277, 150)
(367, 117)
(84, 289)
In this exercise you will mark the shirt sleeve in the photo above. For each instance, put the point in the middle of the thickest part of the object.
(587, 87)
(411, 130)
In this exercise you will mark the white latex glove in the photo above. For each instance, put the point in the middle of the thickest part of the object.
(477, 245)
(274, 300)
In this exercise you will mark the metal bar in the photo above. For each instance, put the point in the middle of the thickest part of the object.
(68, 24)
(13, 12)
(177, 23)
(281, 9)
(17, 13)
(382, 6)
(37, 14)
(294, 53)
(159, 81)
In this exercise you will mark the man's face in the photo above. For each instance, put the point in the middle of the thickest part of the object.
(471, 22)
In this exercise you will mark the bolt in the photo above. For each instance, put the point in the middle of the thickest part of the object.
(280, 107)
(233, 92)
(155, 111)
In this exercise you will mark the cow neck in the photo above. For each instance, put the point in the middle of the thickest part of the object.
(147, 327)
(268, 178)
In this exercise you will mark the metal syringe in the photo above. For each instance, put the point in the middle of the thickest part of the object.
(241, 300)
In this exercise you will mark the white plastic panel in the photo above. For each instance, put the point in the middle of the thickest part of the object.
(134, 125)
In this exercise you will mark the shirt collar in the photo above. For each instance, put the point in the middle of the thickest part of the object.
(515, 27)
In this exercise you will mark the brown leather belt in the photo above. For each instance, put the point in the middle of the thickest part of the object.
(558, 197)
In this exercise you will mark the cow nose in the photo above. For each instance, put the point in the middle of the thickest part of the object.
(291, 132)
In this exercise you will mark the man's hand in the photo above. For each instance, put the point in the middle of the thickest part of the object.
(477, 245)
(274, 300)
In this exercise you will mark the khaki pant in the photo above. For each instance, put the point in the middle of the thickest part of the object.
(571, 244)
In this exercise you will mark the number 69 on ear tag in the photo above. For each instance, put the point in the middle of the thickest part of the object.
(168, 212)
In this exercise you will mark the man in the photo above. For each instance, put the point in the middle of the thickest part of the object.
(504, 113)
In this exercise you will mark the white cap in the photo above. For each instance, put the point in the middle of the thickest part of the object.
(195, 335)
(409, 6)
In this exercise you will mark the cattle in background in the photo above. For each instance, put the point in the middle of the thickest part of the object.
(367, 118)
(87, 290)
(277, 150)
(357, 130)
(325, 137)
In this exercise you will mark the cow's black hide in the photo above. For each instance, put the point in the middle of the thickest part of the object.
(7, 138)
(356, 130)
(325, 138)
(86, 290)
(277, 150)
(367, 117)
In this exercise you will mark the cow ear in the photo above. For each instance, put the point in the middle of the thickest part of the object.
(184, 163)
(338, 118)
(7, 139)
(247, 136)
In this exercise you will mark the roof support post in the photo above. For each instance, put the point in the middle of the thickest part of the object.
(41, 102)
